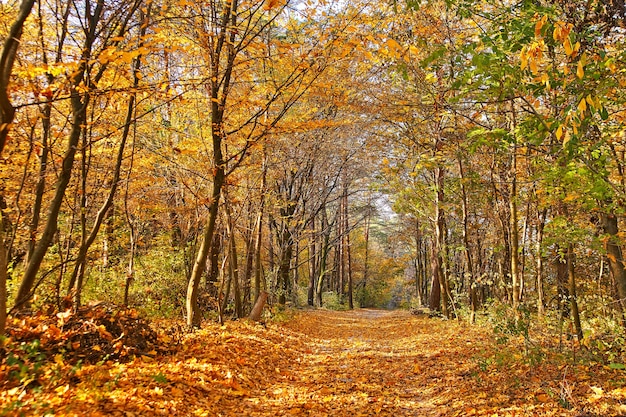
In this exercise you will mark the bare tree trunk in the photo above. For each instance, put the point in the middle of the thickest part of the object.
(130, 269)
(259, 283)
(539, 262)
(348, 259)
(367, 254)
(3, 274)
(439, 272)
(312, 263)
(7, 59)
(473, 298)
(255, 314)
(212, 281)
(434, 301)
(249, 258)
(233, 261)
(7, 113)
(324, 249)
(572, 292)
(514, 234)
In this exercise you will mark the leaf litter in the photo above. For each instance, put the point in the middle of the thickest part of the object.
(318, 363)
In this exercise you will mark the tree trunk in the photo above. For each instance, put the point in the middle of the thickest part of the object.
(514, 234)
(3, 275)
(255, 314)
(614, 256)
(473, 298)
(539, 263)
(284, 265)
(324, 249)
(434, 301)
(439, 273)
(572, 292)
(7, 59)
(220, 86)
(213, 272)
(7, 113)
(312, 263)
(79, 102)
(258, 243)
(367, 254)
(349, 263)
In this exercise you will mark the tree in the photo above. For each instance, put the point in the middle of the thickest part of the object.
(7, 113)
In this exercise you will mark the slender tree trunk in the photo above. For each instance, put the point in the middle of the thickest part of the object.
(324, 249)
(349, 267)
(473, 298)
(563, 296)
(284, 266)
(439, 247)
(312, 263)
(212, 279)
(514, 234)
(220, 85)
(79, 102)
(233, 261)
(130, 269)
(366, 256)
(7, 59)
(41, 181)
(249, 265)
(7, 114)
(572, 292)
(539, 263)
(259, 283)
(3, 275)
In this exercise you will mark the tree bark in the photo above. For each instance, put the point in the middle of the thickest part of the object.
(312, 263)
(572, 292)
(7, 59)
(439, 273)
(325, 228)
(539, 262)
(614, 255)
(255, 314)
(473, 298)
(514, 234)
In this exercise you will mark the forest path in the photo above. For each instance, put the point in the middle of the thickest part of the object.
(328, 363)
(375, 362)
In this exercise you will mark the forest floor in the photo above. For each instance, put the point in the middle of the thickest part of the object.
(327, 363)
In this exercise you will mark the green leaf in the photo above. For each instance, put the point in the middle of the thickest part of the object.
(604, 114)
(619, 366)
(160, 378)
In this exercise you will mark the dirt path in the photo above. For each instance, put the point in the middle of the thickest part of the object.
(323, 363)
(366, 362)
(373, 362)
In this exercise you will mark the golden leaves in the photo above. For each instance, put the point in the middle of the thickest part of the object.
(272, 4)
(531, 56)
(324, 363)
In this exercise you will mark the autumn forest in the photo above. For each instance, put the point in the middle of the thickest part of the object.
(221, 182)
